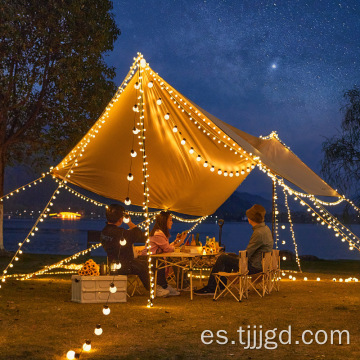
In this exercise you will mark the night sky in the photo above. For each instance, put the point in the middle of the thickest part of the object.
(258, 65)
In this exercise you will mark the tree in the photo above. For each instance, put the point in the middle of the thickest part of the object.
(341, 163)
(54, 81)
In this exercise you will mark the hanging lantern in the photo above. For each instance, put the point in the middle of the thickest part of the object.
(113, 288)
(98, 330)
(87, 345)
(106, 310)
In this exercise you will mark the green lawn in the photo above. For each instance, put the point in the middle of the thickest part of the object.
(38, 320)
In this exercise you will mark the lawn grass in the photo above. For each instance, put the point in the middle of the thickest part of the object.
(38, 320)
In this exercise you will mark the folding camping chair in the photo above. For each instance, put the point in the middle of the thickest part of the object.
(275, 271)
(236, 284)
(263, 278)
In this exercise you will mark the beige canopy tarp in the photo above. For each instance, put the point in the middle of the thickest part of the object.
(178, 179)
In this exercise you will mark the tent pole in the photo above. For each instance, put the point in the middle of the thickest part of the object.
(273, 211)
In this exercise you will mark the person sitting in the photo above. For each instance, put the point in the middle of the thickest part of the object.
(261, 241)
(159, 243)
(118, 244)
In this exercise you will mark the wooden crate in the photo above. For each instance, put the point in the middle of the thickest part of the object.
(95, 289)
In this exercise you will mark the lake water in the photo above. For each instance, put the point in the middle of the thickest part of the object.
(57, 236)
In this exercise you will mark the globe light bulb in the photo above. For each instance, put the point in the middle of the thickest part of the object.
(135, 108)
(70, 355)
(135, 130)
(158, 101)
(87, 345)
(106, 310)
(143, 63)
(113, 288)
(212, 169)
(167, 116)
(126, 219)
(206, 164)
(226, 173)
(130, 177)
(219, 172)
(175, 129)
(191, 151)
(283, 226)
(98, 330)
(231, 174)
(237, 173)
(137, 85)
(122, 242)
(150, 84)
(183, 142)
(242, 172)
(198, 158)
(118, 266)
(133, 153)
(127, 201)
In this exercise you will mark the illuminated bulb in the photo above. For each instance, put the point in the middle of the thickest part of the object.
(226, 173)
(334, 279)
(70, 355)
(247, 169)
(130, 177)
(283, 226)
(206, 164)
(219, 172)
(318, 279)
(231, 174)
(341, 280)
(191, 151)
(305, 278)
(242, 172)
(135, 108)
(87, 345)
(133, 153)
(126, 219)
(137, 85)
(198, 158)
(175, 129)
(237, 173)
(127, 201)
(143, 63)
(106, 310)
(167, 116)
(122, 242)
(284, 258)
(150, 84)
(183, 142)
(283, 242)
(135, 130)
(118, 265)
(212, 169)
(290, 277)
(351, 248)
(98, 330)
(158, 101)
(113, 288)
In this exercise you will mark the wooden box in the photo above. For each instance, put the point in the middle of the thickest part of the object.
(96, 289)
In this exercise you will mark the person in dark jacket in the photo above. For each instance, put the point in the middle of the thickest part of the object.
(118, 244)
(261, 241)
